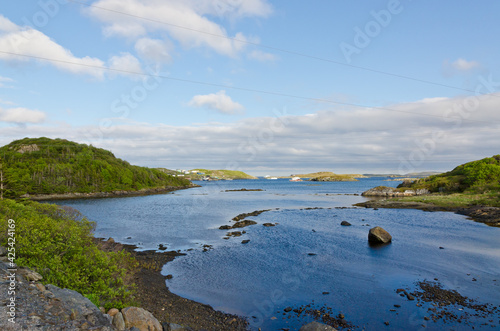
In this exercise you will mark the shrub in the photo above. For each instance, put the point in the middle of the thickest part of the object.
(58, 243)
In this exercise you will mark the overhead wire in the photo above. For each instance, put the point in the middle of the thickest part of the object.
(282, 50)
(281, 94)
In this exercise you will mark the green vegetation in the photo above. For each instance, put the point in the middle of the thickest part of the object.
(476, 177)
(220, 174)
(57, 242)
(46, 166)
(327, 176)
(456, 200)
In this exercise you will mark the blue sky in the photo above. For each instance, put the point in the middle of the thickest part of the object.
(261, 86)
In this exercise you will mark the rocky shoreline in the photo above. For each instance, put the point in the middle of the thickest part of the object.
(171, 309)
(482, 214)
(112, 194)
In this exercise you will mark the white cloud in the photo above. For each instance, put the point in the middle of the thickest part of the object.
(459, 66)
(125, 64)
(464, 65)
(358, 140)
(21, 115)
(31, 42)
(217, 101)
(154, 50)
(35, 45)
(198, 31)
(261, 56)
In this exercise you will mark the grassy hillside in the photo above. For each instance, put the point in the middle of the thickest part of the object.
(481, 176)
(223, 174)
(47, 166)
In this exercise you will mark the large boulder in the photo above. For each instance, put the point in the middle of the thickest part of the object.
(378, 235)
(141, 319)
(79, 306)
(315, 326)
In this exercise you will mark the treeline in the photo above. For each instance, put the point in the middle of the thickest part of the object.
(47, 166)
(481, 176)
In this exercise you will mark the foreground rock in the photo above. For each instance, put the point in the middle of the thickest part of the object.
(315, 326)
(141, 319)
(384, 191)
(378, 235)
(47, 308)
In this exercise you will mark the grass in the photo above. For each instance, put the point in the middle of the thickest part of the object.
(457, 200)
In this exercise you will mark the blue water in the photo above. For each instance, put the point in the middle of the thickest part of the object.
(275, 269)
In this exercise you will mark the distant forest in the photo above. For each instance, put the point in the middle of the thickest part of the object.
(46, 166)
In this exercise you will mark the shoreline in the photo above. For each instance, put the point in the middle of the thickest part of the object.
(103, 195)
(153, 294)
(482, 214)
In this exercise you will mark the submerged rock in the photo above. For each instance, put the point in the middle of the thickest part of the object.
(315, 326)
(378, 235)
(242, 224)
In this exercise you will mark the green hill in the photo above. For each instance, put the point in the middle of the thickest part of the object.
(479, 176)
(221, 174)
(38, 166)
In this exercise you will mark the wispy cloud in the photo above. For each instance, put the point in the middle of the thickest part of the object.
(217, 101)
(261, 56)
(459, 66)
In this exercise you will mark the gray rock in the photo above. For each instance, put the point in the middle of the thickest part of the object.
(141, 319)
(315, 326)
(242, 224)
(30, 275)
(118, 321)
(378, 235)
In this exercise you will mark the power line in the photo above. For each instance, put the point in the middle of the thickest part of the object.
(277, 48)
(281, 94)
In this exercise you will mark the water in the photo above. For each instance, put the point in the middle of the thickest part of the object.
(275, 269)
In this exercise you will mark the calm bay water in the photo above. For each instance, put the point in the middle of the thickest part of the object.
(275, 269)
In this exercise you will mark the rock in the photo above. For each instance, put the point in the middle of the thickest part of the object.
(175, 327)
(80, 306)
(40, 287)
(141, 319)
(169, 276)
(246, 241)
(242, 224)
(315, 326)
(30, 275)
(225, 227)
(345, 223)
(113, 312)
(118, 321)
(288, 309)
(378, 235)
(109, 318)
(3, 251)
(234, 234)
(384, 191)
(268, 224)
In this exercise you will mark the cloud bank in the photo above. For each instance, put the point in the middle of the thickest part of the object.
(431, 134)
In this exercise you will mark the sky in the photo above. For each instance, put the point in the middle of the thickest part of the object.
(265, 87)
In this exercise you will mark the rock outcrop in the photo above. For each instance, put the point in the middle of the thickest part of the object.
(34, 306)
(384, 191)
